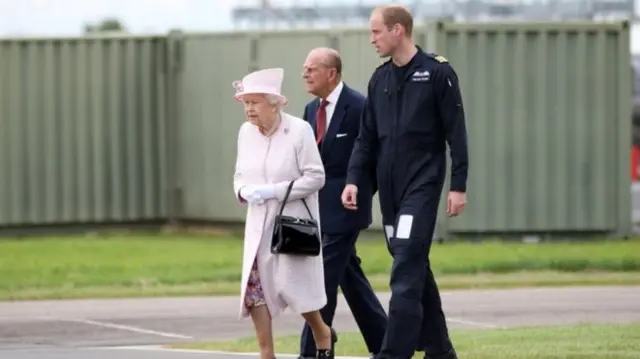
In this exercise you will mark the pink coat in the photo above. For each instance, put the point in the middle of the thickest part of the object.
(289, 154)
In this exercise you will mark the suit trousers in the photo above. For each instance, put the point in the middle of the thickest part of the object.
(342, 269)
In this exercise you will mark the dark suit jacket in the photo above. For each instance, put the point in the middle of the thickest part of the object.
(335, 150)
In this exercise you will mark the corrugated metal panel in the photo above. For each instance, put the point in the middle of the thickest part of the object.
(209, 122)
(359, 58)
(548, 106)
(82, 130)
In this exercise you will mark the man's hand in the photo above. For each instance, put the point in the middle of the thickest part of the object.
(455, 203)
(350, 197)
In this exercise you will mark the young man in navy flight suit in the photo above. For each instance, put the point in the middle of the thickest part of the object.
(335, 117)
(414, 108)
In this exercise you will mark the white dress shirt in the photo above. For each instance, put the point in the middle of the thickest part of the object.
(333, 100)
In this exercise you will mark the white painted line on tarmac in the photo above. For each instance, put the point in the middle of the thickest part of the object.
(127, 328)
(129, 347)
(198, 351)
(220, 352)
(475, 324)
(157, 348)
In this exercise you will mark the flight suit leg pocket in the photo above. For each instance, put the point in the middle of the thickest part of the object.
(408, 269)
(410, 252)
(410, 248)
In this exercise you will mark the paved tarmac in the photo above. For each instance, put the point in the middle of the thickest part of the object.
(97, 329)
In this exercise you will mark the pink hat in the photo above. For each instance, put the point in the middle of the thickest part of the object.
(267, 81)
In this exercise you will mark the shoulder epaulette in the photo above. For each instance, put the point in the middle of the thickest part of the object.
(441, 59)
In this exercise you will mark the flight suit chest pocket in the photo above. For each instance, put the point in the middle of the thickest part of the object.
(419, 89)
(419, 104)
(383, 112)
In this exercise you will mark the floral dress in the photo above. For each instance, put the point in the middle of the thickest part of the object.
(254, 296)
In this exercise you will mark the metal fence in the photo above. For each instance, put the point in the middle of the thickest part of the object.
(144, 128)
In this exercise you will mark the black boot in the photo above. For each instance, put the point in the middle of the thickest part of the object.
(328, 353)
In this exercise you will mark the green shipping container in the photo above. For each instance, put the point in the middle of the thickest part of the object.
(549, 120)
(82, 137)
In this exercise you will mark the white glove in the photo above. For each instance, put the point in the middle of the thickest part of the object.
(248, 194)
(257, 194)
(265, 192)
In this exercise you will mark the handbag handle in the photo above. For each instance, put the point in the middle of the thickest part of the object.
(286, 198)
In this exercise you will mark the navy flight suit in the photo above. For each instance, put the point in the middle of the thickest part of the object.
(411, 113)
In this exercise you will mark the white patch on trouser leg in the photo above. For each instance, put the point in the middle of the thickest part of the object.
(388, 233)
(404, 226)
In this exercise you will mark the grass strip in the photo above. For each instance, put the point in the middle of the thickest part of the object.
(130, 265)
(605, 341)
(379, 283)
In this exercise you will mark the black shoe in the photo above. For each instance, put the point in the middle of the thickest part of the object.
(329, 353)
(451, 354)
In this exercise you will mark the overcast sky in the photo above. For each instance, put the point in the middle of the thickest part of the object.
(67, 17)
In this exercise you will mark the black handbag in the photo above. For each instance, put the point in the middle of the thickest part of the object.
(295, 236)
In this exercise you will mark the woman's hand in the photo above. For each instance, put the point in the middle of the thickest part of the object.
(257, 194)
(248, 194)
(265, 192)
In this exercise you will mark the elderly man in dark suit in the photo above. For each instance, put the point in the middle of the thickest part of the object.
(335, 117)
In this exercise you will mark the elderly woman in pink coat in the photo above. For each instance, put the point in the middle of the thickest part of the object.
(275, 148)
